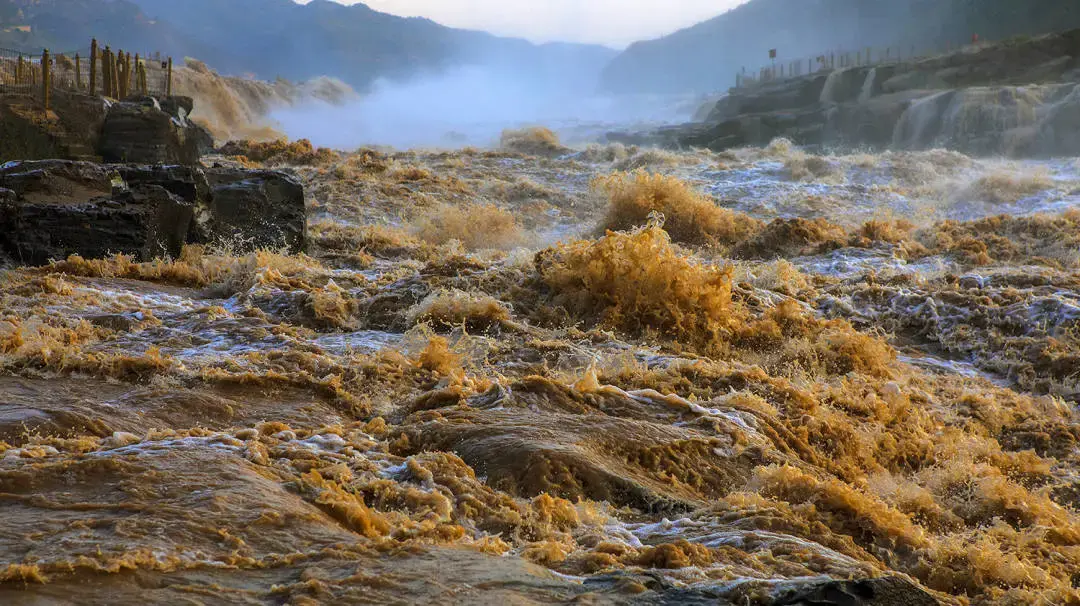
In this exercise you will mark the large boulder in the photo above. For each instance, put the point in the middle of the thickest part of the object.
(178, 106)
(253, 209)
(139, 131)
(54, 208)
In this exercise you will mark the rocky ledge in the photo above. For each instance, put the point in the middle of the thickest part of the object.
(50, 209)
(139, 129)
(1020, 97)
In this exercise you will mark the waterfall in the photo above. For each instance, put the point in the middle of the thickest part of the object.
(831, 82)
(868, 86)
(912, 128)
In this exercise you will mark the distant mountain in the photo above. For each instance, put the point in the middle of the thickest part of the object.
(271, 38)
(68, 25)
(705, 57)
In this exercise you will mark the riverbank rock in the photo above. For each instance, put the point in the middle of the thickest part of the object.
(50, 209)
(253, 209)
(71, 130)
(140, 131)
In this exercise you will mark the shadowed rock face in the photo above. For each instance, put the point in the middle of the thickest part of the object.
(144, 222)
(253, 209)
(140, 131)
(54, 208)
(87, 128)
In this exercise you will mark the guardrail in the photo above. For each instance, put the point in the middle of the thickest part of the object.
(869, 57)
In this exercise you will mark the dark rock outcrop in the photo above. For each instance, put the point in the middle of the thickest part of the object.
(884, 591)
(140, 131)
(253, 209)
(71, 130)
(178, 106)
(82, 127)
(54, 208)
(51, 209)
(187, 182)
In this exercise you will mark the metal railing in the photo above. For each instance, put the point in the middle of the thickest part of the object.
(93, 71)
(841, 59)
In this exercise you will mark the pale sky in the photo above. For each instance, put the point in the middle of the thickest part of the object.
(611, 22)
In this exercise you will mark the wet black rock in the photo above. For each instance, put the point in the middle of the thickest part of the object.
(177, 106)
(140, 131)
(885, 591)
(253, 209)
(144, 222)
(187, 182)
(50, 209)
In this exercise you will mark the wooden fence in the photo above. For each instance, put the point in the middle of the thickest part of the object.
(93, 71)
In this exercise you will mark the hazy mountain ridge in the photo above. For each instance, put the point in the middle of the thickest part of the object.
(708, 54)
(68, 25)
(281, 38)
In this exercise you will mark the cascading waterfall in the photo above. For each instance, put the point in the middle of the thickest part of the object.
(868, 85)
(831, 82)
(917, 121)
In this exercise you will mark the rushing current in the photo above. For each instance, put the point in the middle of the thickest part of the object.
(535, 374)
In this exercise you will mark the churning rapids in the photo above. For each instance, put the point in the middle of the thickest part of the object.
(539, 374)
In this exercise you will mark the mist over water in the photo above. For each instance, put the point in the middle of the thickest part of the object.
(471, 105)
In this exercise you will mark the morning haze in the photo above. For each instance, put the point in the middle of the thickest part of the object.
(614, 23)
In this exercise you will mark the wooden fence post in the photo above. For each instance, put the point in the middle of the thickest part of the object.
(138, 84)
(93, 65)
(104, 59)
(114, 75)
(125, 76)
(118, 83)
(168, 79)
(106, 73)
(118, 80)
(45, 78)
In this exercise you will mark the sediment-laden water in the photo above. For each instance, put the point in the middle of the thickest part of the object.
(540, 374)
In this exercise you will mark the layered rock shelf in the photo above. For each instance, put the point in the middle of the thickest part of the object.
(50, 209)
(1019, 98)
